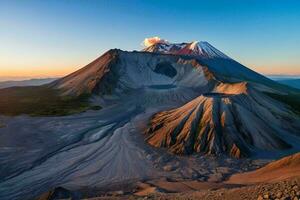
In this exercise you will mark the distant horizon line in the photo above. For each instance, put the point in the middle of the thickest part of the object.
(23, 78)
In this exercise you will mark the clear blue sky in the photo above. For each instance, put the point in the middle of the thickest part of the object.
(49, 38)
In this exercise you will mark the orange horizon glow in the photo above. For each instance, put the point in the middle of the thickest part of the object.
(41, 39)
(277, 70)
(34, 73)
(43, 66)
(60, 71)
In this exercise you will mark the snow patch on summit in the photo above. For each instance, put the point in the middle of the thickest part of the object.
(195, 48)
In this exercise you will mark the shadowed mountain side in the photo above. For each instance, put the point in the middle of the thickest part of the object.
(86, 79)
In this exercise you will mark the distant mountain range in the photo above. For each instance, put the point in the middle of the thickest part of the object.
(292, 81)
(30, 82)
(283, 77)
(295, 83)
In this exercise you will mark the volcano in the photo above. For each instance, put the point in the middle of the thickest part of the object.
(201, 49)
(233, 119)
(190, 65)
(226, 109)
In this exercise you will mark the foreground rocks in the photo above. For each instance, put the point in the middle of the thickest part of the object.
(283, 190)
(282, 169)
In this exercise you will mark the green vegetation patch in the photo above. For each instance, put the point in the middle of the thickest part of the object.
(2, 125)
(41, 101)
(292, 100)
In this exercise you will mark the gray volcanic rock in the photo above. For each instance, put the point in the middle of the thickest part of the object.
(119, 73)
(223, 67)
(233, 119)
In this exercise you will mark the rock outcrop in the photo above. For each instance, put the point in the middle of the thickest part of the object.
(234, 119)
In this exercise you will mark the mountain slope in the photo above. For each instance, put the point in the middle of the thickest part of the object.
(86, 79)
(281, 169)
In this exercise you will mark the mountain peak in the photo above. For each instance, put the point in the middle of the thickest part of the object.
(195, 48)
(194, 44)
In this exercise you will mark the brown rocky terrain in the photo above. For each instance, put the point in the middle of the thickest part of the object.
(278, 180)
(284, 168)
(232, 119)
(281, 190)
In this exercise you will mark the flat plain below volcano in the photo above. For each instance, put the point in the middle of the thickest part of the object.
(96, 151)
